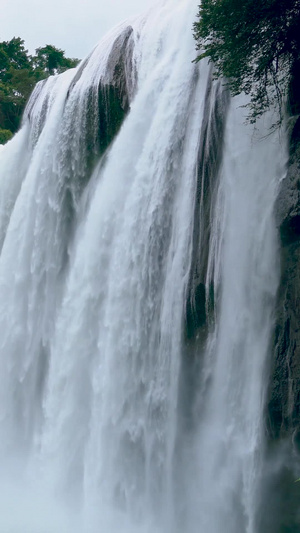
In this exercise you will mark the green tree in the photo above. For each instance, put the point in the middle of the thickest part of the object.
(52, 60)
(16, 82)
(254, 44)
(5, 135)
(13, 55)
(19, 72)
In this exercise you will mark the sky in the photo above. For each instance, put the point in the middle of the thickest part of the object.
(72, 25)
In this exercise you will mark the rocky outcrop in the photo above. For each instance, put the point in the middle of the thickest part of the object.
(284, 402)
(104, 102)
(284, 391)
(116, 90)
(108, 104)
(200, 300)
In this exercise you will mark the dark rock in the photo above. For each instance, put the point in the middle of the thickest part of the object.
(116, 90)
(280, 512)
(284, 392)
(284, 401)
(288, 202)
(294, 90)
(199, 305)
(107, 108)
(39, 121)
(104, 107)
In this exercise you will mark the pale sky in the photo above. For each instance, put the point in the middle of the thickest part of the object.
(73, 25)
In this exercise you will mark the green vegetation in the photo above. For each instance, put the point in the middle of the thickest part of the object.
(5, 135)
(19, 72)
(254, 44)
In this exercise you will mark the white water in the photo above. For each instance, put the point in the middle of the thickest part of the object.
(92, 305)
(229, 443)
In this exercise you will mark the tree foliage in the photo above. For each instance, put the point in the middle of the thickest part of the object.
(5, 135)
(19, 72)
(254, 44)
(52, 60)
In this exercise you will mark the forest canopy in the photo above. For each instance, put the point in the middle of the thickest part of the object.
(254, 44)
(19, 72)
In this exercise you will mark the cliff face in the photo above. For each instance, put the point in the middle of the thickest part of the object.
(284, 405)
(284, 391)
(281, 496)
(108, 104)
(200, 297)
(284, 398)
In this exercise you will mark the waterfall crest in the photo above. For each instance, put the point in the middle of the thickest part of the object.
(138, 273)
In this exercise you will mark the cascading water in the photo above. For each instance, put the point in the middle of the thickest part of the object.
(100, 428)
(228, 445)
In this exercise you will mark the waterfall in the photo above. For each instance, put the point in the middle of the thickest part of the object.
(133, 196)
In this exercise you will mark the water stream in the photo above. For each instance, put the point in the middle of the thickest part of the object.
(94, 274)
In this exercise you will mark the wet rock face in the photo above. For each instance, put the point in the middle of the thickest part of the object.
(98, 108)
(284, 403)
(200, 300)
(115, 92)
(284, 397)
(281, 510)
(103, 107)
